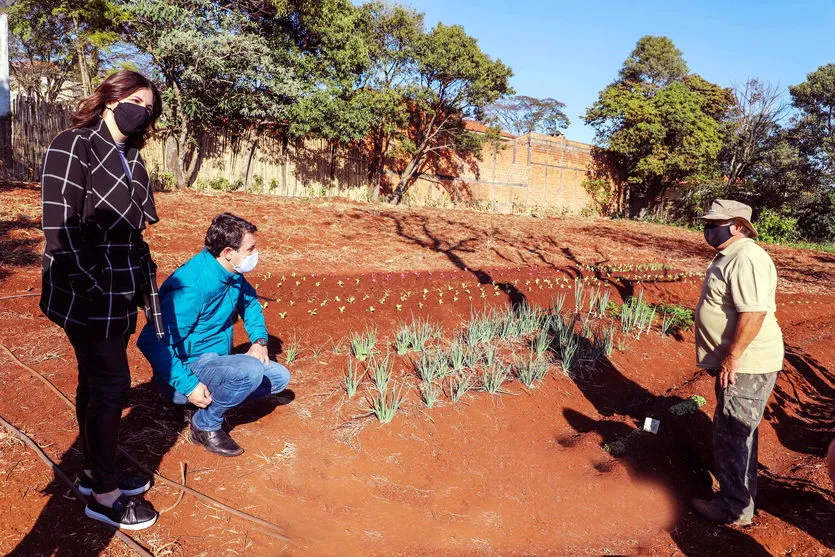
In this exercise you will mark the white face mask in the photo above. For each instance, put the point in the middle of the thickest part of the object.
(247, 264)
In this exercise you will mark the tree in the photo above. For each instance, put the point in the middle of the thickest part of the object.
(55, 37)
(520, 115)
(453, 80)
(658, 124)
(814, 125)
(392, 33)
(217, 68)
(753, 122)
(655, 61)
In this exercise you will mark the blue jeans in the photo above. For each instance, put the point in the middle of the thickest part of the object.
(231, 380)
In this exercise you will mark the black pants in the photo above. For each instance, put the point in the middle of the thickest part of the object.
(103, 385)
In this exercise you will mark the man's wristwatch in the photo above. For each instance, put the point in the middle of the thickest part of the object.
(261, 341)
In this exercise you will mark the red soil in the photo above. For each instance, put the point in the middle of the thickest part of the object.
(520, 473)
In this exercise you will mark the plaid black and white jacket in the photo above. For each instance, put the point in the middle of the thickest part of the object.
(96, 267)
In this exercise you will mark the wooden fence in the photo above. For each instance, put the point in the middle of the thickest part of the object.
(530, 172)
(279, 166)
(26, 134)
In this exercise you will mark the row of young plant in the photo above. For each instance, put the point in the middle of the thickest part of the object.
(535, 339)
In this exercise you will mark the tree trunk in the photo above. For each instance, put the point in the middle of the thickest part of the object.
(86, 87)
(177, 152)
(403, 182)
(247, 162)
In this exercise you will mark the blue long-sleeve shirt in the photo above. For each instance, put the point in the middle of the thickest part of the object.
(199, 302)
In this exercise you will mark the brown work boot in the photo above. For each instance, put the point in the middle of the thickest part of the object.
(712, 511)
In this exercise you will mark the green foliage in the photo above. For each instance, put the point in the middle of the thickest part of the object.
(362, 345)
(674, 318)
(456, 356)
(218, 184)
(815, 216)
(494, 377)
(431, 365)
(656, 61)
(380, 370)
(636, 316)
(460, 384)
(351, 379)
(814, 127)
(533, 370)
(659, 125)
(414, 336)
(429, 392)
(601, 192)
(163, 181)
(482, 328)
(776, 229)
(384, 404)
(55, 41)
(688, 406)
(292, 350)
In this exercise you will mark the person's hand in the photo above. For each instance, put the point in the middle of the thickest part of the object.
(200, 396)
(259, 352)
(727, 371)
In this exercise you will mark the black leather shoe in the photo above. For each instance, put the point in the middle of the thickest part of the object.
(128, 484)
(217, 442)
(126, 513)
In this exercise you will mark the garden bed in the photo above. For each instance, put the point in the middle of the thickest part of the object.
(524, 470)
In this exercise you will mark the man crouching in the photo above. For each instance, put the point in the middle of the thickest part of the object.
(199, 302)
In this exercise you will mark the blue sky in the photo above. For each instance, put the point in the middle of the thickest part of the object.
(571, 50)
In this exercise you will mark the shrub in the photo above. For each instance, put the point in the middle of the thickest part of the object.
(816, 217)
(675, 318)
(776, 229)
(222, 184)
(163, 181)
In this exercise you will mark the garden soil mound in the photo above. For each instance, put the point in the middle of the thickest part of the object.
(520, 473)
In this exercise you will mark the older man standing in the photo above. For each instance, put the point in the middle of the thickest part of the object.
(738, 338)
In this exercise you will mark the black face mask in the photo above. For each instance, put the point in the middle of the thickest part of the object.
(717, 234)
(131, 119)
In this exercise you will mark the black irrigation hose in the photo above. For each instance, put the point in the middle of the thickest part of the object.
(130, 542)
(269, 528)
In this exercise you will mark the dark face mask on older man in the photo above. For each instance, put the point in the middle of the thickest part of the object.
(718, 234)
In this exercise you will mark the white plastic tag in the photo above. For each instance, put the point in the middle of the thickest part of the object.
(651, 425)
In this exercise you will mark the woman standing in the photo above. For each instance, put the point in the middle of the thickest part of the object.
(97, 199)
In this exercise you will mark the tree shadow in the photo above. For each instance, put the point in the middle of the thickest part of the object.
(803, 409)
(19, 252)
(679, 456)
(800, 503)
(435, 243)
(150, 429)
(147, 432)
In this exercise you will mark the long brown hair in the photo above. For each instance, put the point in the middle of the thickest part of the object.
(117, 86)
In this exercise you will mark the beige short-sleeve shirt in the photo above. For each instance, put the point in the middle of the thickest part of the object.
(741, 278)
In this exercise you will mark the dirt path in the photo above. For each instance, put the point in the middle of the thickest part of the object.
(520, 473)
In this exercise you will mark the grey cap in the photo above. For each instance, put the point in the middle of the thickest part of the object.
(727, 209)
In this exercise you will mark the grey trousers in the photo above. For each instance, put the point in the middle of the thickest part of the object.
(739, 410)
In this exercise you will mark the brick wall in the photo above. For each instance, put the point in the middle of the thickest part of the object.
(529, 171)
